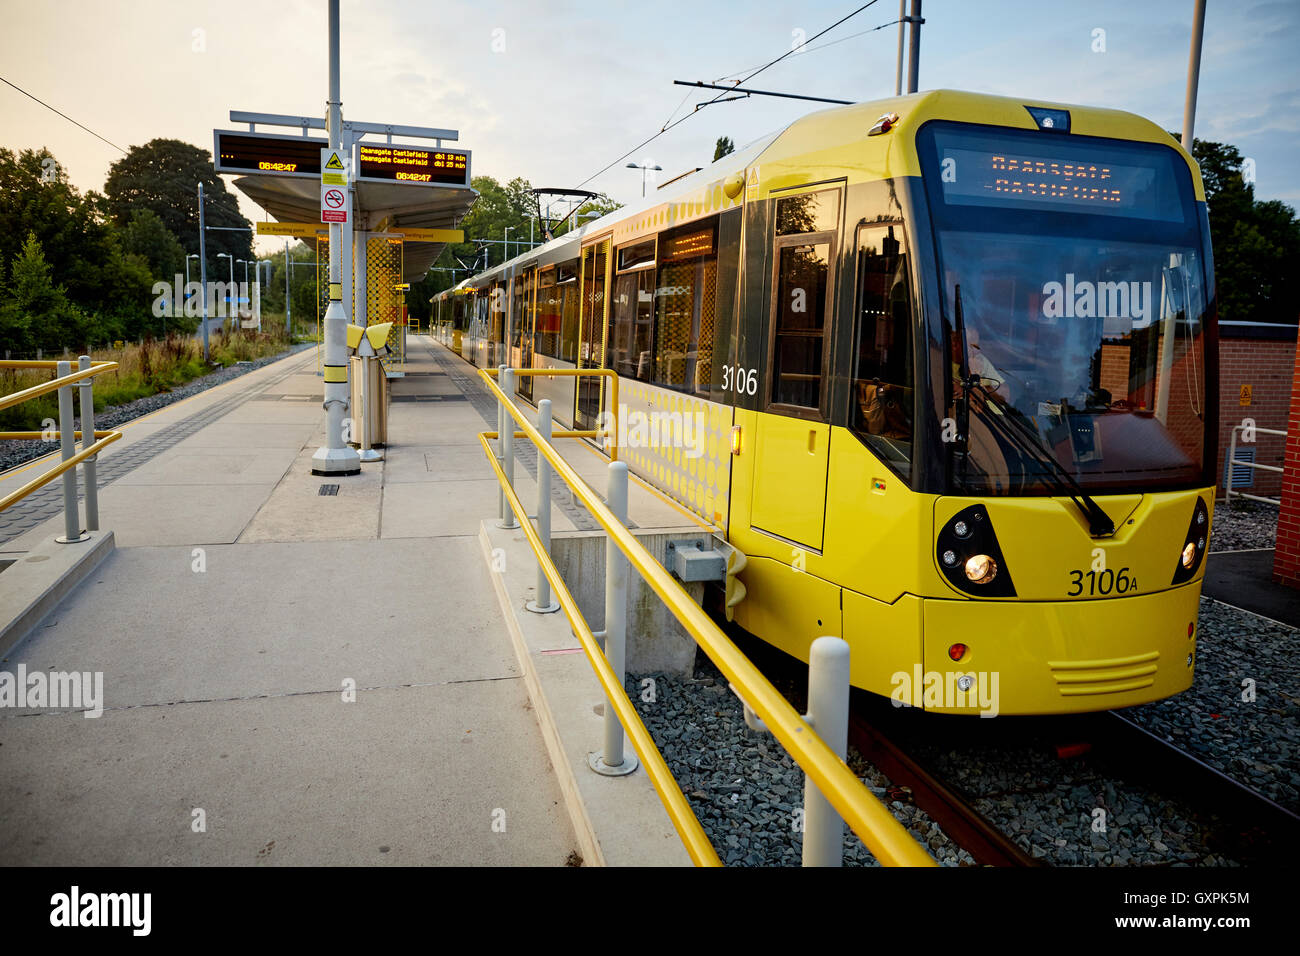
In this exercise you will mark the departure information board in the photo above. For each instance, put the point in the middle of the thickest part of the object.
(241, 153)
(277, 155)
(410, 164)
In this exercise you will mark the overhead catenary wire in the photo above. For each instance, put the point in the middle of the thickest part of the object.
(82, 126)
(718, 98)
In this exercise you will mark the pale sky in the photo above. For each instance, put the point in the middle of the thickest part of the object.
(553, 90)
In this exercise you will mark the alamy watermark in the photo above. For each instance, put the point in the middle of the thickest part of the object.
(59, 690)
(638, 429)
(949, 690)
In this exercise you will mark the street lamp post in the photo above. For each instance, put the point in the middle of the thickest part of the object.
(644, 170)
(246, 290)
(507, 240)
(228, 256)
(192, 255)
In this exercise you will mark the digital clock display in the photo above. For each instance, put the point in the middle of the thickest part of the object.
(1064, 174)
(282, 155)
(407, 164)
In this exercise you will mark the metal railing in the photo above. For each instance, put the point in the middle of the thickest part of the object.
(1233, 461)
(828, 777)
(92, 442)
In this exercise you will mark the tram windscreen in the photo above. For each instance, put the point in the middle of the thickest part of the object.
(1085, 327)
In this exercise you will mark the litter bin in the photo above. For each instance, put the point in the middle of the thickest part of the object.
(371, 414)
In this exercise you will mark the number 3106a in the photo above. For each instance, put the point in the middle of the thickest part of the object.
(1101, 582)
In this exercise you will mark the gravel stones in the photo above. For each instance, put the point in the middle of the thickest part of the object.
(745, 789)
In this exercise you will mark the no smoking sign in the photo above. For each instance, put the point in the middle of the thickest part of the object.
(333, 203)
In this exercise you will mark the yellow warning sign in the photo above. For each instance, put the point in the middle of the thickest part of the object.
(333, 171)
(1246, 394)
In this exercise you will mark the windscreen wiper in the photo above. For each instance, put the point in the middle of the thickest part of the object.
(1019, 434)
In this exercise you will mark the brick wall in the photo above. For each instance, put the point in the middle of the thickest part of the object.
(1268, 366)
(1286, 560)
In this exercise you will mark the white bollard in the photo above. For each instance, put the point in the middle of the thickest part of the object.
(828, 713)
(87, 394)
(614, 761)
(508, 443)
(543, 604)
(68, 448)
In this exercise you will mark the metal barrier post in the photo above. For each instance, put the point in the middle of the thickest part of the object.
(828, 713)
(614, 761)
(88, 439)
(68, 442)
(1232, 453)
(508, 441)
(544, 603)
(502, 417)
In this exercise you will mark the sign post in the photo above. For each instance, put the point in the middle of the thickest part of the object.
(336, 457)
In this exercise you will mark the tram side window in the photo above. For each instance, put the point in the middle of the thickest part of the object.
(804, 250)
(633, 311)
(546, 329)
(566, 284)
(883, 386)
(685, 299)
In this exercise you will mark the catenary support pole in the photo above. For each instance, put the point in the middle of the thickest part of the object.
(335, 457)
(203, 275)
(1193, 75)
(914, 54)
(902, 36)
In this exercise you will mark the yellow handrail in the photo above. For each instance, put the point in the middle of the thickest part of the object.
(883, 835)
(679, 810)
(104, 438)
(611, 438)
(17, 398)
(58, 469)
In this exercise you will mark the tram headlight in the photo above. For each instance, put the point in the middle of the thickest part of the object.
(981, 569)
(1193, 550)
(968, 555)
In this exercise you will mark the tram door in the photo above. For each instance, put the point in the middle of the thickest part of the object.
(523, 317)
(792, 440)
(591, 336)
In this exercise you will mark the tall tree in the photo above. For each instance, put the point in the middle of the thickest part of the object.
(724, 147)
(35, 311)
(163, 176)
(147, 237)
(1256, 244)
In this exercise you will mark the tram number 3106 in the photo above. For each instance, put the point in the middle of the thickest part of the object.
(741, 381)
(1101, 582)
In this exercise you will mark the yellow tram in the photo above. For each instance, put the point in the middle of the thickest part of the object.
(940, 369)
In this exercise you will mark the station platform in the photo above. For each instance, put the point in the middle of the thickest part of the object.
(294, 676)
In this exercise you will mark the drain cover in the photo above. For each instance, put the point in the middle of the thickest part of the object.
(329, 490)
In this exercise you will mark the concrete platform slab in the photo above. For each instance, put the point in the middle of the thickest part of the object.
(449, 775)
(276, 619)
(207, 466)
(152, 515)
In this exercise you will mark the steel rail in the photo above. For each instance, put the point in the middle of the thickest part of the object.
(867, 816)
